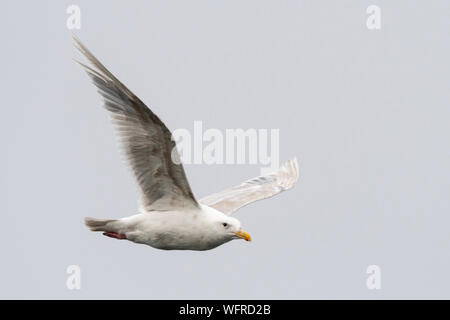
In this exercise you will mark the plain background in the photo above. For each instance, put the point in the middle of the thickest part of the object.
(366, 112)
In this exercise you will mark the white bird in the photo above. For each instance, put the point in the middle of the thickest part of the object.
(170, 217)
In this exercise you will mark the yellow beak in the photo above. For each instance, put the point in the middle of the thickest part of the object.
(244, 235)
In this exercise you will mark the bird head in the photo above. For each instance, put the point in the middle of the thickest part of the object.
(222, 227)
(230, 228)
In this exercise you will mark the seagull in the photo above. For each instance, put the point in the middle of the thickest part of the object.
(170, 217)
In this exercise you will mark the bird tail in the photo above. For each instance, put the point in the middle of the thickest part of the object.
(98, 224)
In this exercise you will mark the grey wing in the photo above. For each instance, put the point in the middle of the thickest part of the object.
(230, 200)
(146, 141)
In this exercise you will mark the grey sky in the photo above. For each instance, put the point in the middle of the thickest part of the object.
(366, 112)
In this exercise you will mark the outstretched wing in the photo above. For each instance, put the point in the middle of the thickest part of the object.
(146, 141)
(230, 200)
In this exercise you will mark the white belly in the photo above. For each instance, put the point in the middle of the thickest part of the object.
(169, 231)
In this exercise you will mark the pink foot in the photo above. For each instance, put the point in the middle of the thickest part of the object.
(114, 235)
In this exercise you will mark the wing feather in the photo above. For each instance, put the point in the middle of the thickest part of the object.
(146, 141)
(230, 200)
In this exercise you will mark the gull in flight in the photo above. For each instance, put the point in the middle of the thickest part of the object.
(170, 217)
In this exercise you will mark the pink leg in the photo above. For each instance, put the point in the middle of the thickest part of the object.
(114, 235)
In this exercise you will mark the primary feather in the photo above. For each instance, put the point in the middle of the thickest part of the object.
(146, 141)
(262, 187)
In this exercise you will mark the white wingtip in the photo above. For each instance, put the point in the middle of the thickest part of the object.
(288, 173)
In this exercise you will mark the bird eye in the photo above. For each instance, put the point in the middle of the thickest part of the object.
(225, 224)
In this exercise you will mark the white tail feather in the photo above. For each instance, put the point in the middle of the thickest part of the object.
(97, 224)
